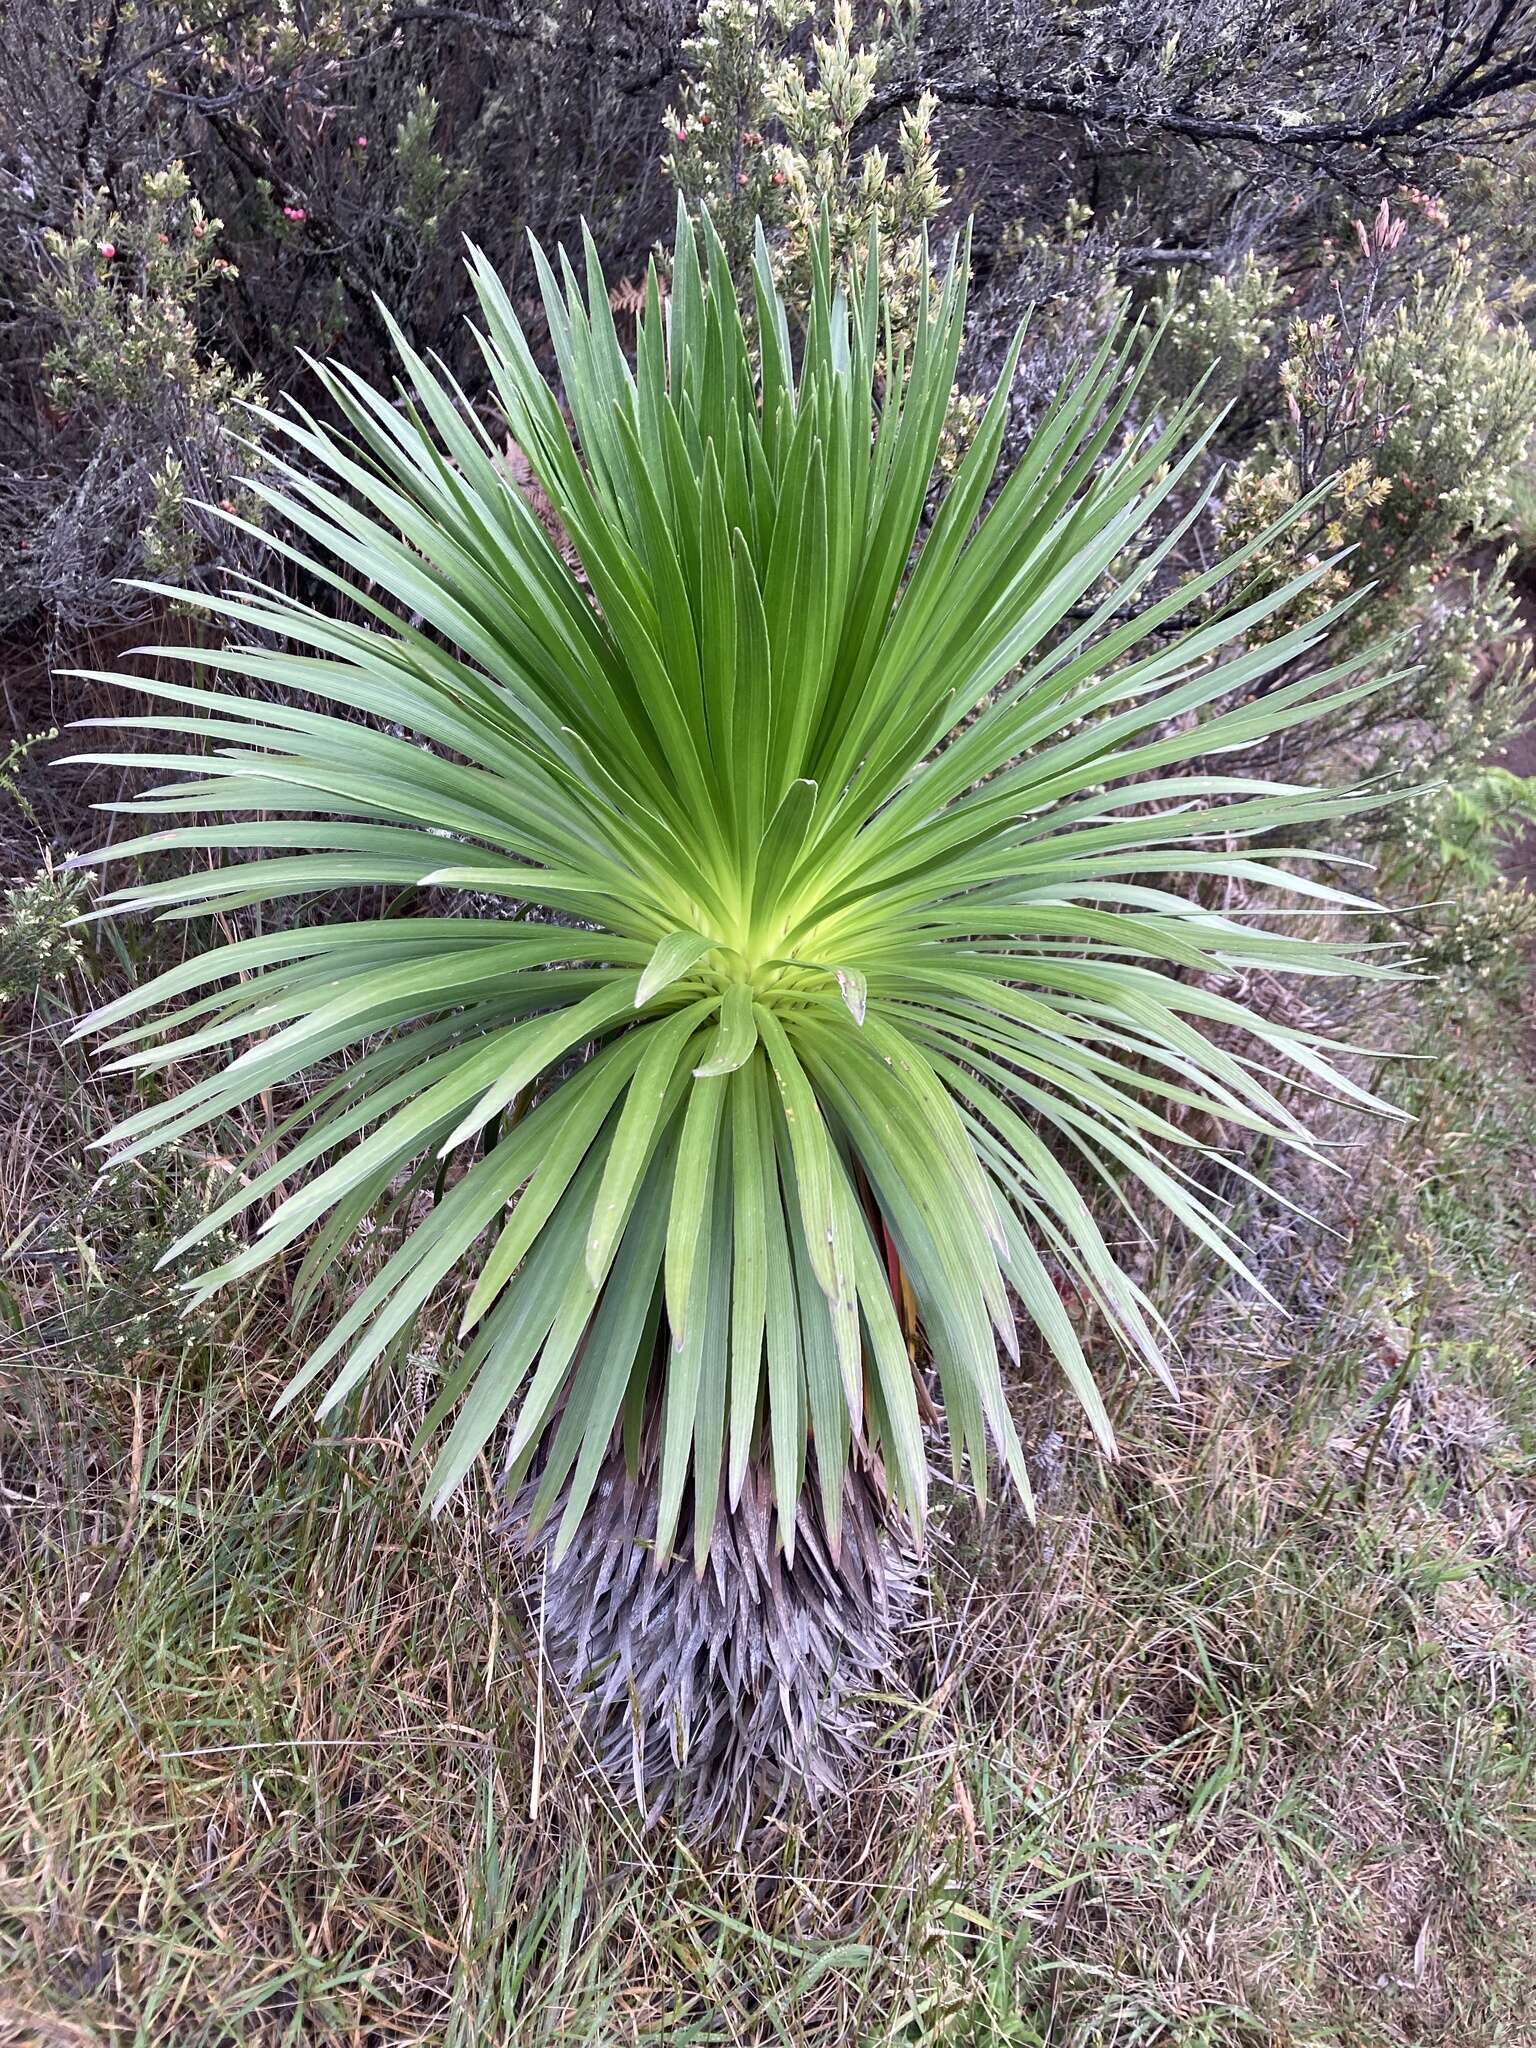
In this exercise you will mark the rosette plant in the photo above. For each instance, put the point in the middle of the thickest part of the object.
(727, 933)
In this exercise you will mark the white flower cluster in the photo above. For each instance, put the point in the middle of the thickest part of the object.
(38, 941)
(763, 132)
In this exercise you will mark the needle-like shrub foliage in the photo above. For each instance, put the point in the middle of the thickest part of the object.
(856, 852)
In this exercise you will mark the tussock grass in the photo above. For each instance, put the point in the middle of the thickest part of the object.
(1235, 1749)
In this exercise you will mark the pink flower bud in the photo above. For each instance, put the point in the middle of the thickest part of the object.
(362, 141)
(682, 134)
(106, 251)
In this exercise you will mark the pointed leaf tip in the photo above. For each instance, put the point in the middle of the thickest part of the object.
(673, 957)
(855, 990)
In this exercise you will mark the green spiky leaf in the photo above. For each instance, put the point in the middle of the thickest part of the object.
(878, 837)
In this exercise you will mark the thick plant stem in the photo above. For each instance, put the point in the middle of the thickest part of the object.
(722, 1695)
